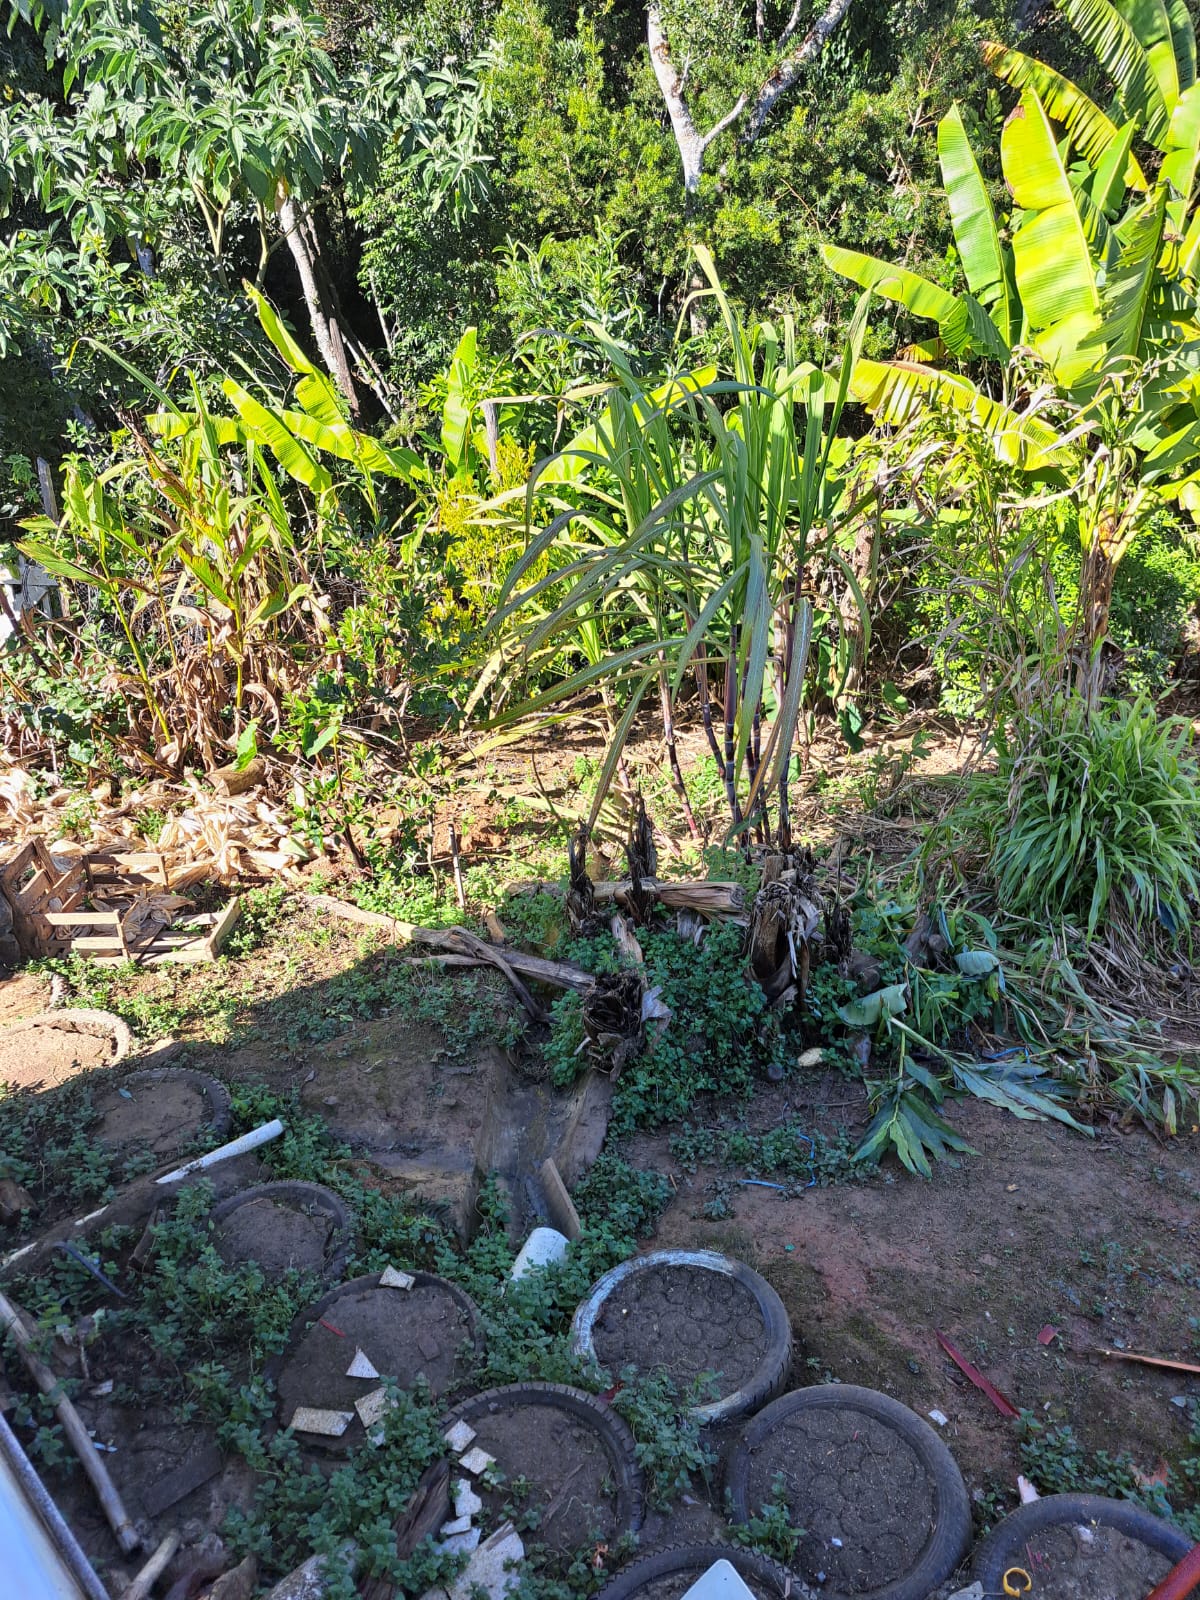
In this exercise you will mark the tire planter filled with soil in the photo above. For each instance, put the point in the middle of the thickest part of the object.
(430, 1330)
(691, 1313)
(1082, 1547)
(575, 1458)
(54, 1046)
(669, 1574)
(883, 1505)
(163, 1110)
(285, 1226)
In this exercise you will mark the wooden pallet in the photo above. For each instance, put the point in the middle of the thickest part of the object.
(50, 917)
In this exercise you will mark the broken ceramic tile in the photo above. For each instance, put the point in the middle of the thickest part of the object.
(489, 1567)
(313, 1419)
(466, 1501)
(476, 1461)
(460, 1544)
(449, 1529)
(459, 1436)
(373, 1407)
(393, 1278)
(362, 1366)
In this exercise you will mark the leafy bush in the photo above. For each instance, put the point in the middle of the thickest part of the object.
(1095, 817)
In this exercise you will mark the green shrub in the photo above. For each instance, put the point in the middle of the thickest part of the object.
(1095, 817)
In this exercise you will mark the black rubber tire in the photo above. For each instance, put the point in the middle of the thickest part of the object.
(314, 1195)
(619, 1441)
(767, 1579)
(1004, 1547)
(213, 1091)
(770, 1376)
(317, 1309)
(950, 1539)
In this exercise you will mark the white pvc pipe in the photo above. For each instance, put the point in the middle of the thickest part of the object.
(42, 1560)
(236, 1147)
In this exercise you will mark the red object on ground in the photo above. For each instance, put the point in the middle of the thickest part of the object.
(1048, 1333)
(1181, 1581)
(1001, 1401)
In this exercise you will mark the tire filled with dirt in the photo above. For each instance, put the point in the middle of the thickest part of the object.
(883, 1506)
(716, 1327)
(163, 1111)
(669, 1574)
(341, 1348)
(1080, 1547)
(560, 1456)
(287, 1226)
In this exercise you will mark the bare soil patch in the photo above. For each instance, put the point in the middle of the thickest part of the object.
(1093, 1564)
(34, 1055)
(423, 1332)
(689, 1320)
(1043, 1228)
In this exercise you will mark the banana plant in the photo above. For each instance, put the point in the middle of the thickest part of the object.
(1054, 275)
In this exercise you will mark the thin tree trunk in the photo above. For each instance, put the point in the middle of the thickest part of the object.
(326, 329)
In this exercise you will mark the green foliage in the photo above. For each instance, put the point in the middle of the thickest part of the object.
(721, 1038)
(771, 1529)
(785, 1152)
(1055, 1461)
(672, 1449)
(1093, 818)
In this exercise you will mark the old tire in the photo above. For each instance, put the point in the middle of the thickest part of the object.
(619, 1443)
(950, 1534)
(765, 1578)
(276, 1368)
(768, 1378)
(1005, 1546)
(301, 1195)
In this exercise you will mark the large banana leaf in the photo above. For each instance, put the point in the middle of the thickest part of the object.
(1111, 177)
(1127, 299)
(1119, 51)
(1053, 265)
(270, 429)
(976, 234)
(1183, 150)
(923, 298)
(1183, 33)
(1151, 23)
(963, 323)
(1089, 129)
(895, 391)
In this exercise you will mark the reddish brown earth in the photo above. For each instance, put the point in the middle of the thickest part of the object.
(1095, 1238)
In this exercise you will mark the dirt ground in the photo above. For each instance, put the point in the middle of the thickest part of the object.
(1030, 1255)
(1041, 1230)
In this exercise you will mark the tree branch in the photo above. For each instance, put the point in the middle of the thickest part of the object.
(726, 121)
(781, 79)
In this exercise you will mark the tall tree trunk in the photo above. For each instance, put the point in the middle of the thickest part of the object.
(321, 314)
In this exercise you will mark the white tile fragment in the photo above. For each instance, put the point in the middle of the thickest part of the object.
(459, 1436)
(373, 1407)
(476, 1461)
(449, 1529)
(488, 1568)
(314, 1419)
(393, 1278)
(362, 1366)
(461, 1544)
(466, 1502)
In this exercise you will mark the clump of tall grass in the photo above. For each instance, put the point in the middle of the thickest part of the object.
(1093, 817)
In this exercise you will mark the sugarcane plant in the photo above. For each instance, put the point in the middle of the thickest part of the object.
(680, 538)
